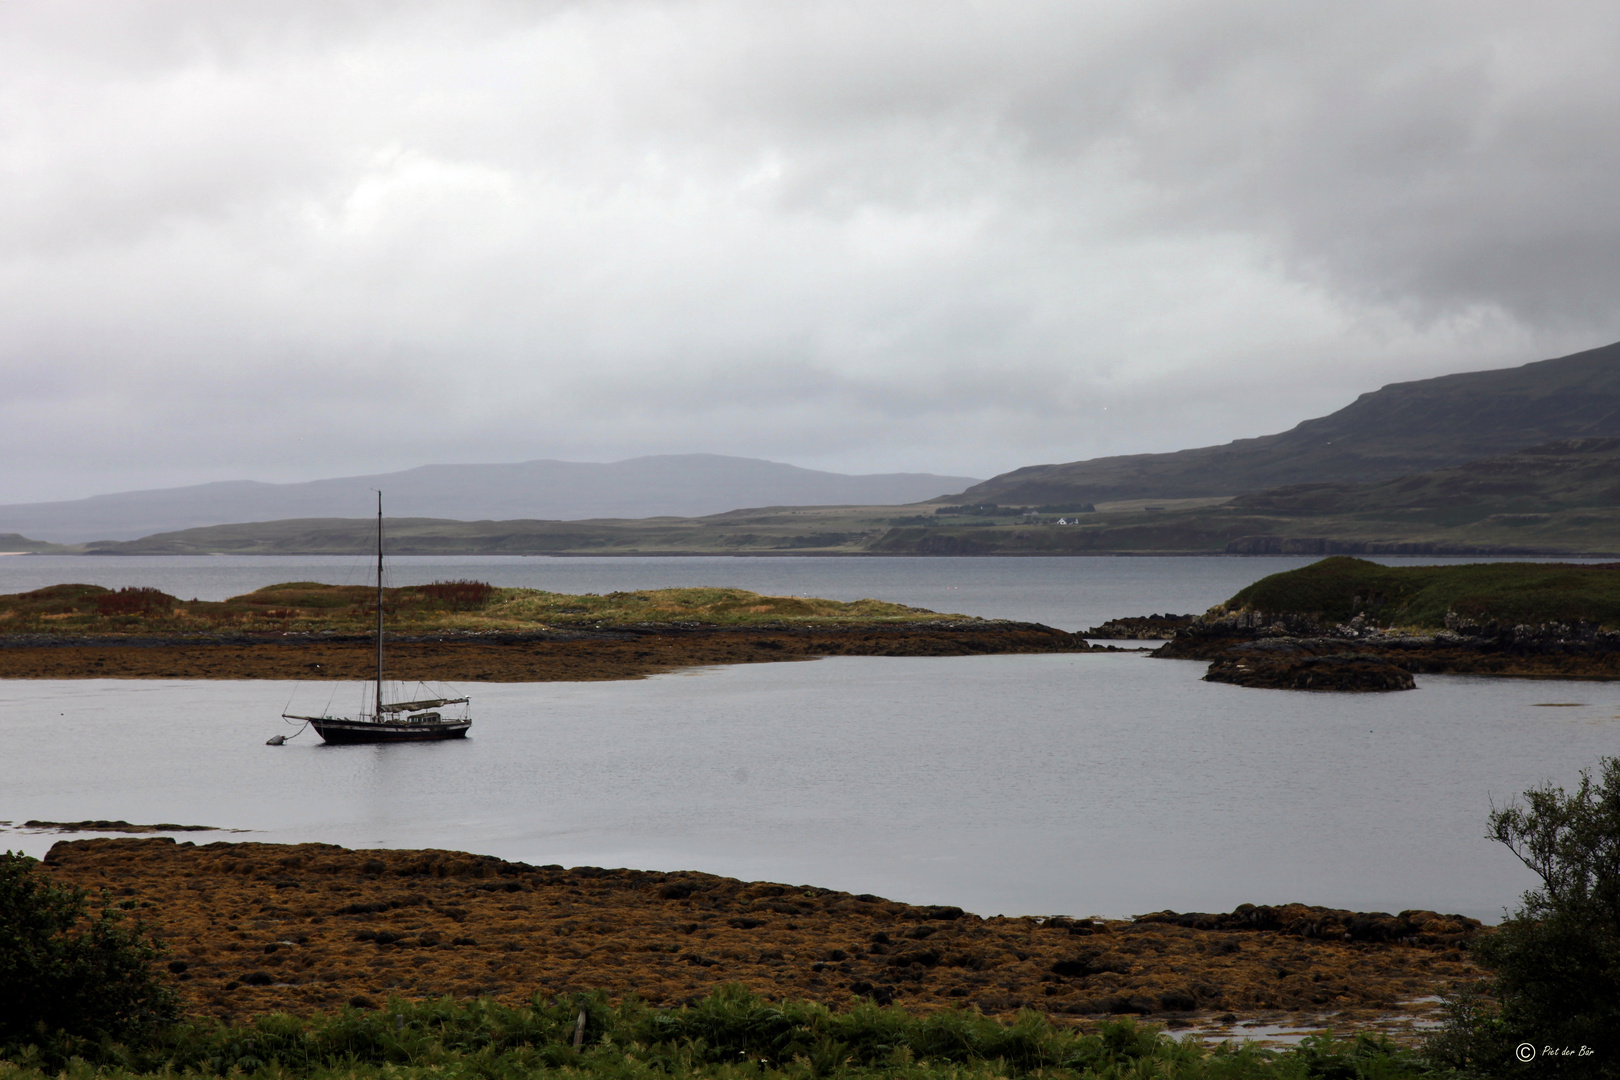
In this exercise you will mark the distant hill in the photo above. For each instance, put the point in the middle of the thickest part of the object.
(1403, 428)
(678, 485)
(11, 544)
(1559, 498)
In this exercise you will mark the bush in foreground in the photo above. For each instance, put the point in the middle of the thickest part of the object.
(1556, 961)
(60, 981)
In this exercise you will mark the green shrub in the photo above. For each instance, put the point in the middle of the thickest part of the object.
(63, 981)
(1555, 962)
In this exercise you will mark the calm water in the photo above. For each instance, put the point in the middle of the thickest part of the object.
(1100, 784)
(1072, 594)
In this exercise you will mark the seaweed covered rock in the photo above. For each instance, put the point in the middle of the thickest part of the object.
(1426, 929)
(330, 926)
(1344, 672)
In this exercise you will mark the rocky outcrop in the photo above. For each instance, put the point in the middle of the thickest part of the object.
(1141, 628)
(1299, 652)
(1351, 672)
(1212, 634)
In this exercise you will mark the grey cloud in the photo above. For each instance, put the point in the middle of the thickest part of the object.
(948, 237)
(1401, 153)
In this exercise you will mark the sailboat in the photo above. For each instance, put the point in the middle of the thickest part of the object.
(391, 721)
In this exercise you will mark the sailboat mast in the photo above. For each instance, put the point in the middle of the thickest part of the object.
(378, 714)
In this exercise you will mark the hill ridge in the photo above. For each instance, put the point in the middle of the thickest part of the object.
(659, 485)
(1401, 428)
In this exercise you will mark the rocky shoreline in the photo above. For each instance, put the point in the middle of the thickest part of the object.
(255, 928)
(1257, 649)
(1140, 628)
(621, 652)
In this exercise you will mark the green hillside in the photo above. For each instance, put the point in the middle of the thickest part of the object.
(1518, 489)
(1560, 498)
(1403, 428)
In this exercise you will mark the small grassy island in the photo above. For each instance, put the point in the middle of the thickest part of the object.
(1350, 624)
(1422, 598)
(467, 630)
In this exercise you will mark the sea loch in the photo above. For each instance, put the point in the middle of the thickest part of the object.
(1069, 784)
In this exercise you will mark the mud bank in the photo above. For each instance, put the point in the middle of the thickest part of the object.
(562, 656)
(254, 928)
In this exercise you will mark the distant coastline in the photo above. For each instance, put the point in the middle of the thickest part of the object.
(1552, 501)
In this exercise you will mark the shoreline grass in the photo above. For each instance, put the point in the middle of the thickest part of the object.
(307, 607)
(730, 1033)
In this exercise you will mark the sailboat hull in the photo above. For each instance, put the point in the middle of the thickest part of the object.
(389, 721)
(364, 731)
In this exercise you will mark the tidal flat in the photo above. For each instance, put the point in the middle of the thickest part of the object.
(255, 928)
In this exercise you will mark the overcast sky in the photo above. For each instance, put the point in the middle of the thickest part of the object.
(282, 240)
